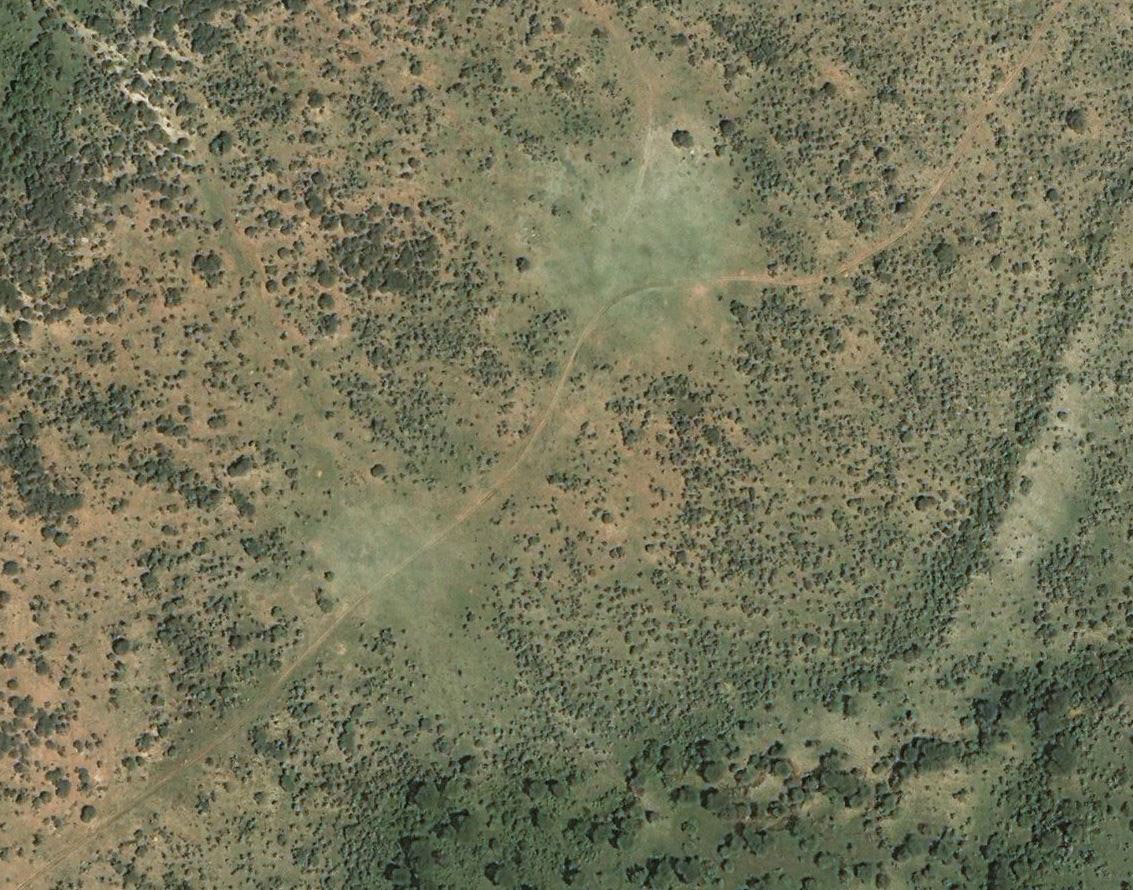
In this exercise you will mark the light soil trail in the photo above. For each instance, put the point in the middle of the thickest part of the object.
(262, 699)
(643, 166)
(229, 727)
(649, 94)
(974, 119)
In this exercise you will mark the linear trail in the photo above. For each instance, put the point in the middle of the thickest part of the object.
(973, 121)
(648, 102)
(229, 727)
(240, 719)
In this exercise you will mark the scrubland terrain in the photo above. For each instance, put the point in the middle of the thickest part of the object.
(622, 444)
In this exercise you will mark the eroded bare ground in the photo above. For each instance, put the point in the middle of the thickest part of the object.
(459, 446)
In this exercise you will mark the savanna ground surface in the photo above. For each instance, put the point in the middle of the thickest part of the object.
(620, 444)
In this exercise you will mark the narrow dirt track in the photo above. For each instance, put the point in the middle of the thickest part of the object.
(973, 120)
(228, 728)
(240, 720)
